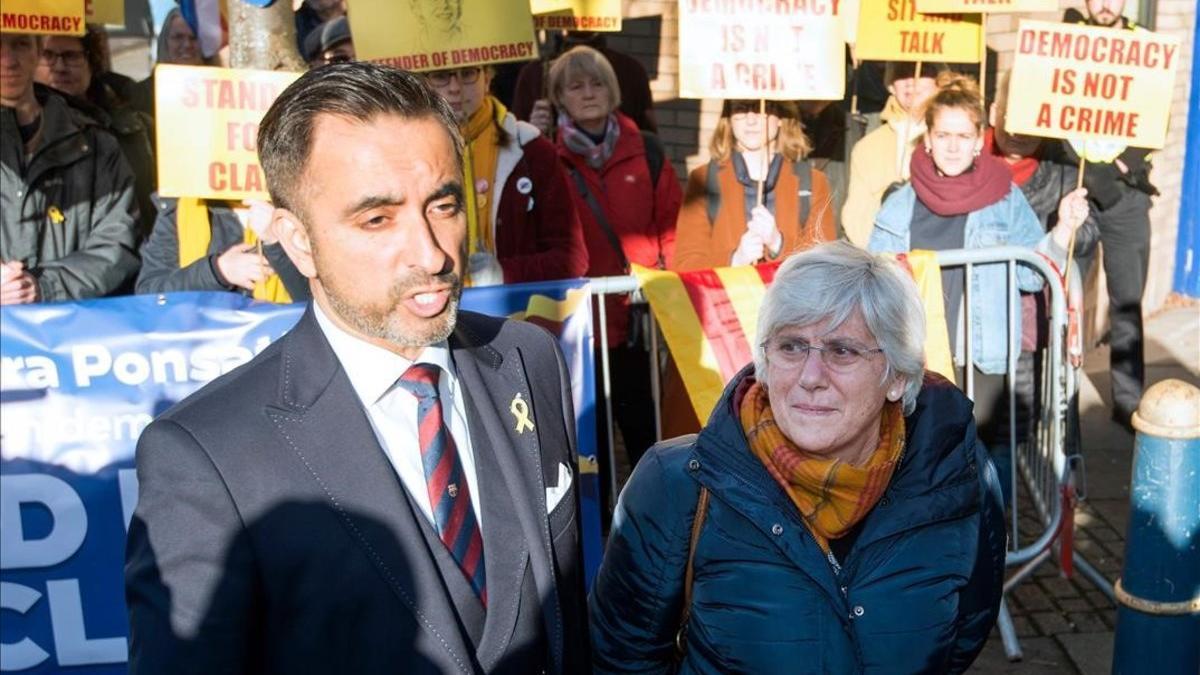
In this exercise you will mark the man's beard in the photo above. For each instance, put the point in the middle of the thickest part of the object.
(1105, 18)
(383, 324)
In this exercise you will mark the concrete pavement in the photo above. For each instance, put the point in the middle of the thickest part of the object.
(1066, 625)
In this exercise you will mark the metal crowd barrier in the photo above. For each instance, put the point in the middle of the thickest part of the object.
(1043, 471)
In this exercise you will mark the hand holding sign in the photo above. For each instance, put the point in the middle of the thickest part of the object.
(243, 267)
(749, 251)
(762, 223)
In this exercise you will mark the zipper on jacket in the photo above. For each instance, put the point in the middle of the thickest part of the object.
(837, 569)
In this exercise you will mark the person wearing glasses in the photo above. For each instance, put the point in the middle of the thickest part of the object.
(76, 66)
(68, 214)
(835, 515)
(521, 219)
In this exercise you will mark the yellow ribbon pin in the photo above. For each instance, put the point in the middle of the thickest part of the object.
(56, 215)
(520, 410)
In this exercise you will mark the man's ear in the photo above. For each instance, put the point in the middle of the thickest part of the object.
(293, 236)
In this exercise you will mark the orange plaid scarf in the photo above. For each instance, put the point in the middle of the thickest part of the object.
(832, 495)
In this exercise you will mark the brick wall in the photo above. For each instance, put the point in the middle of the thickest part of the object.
(651, 34)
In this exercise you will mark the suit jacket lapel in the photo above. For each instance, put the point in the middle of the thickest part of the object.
(494, 381)
(323, 422)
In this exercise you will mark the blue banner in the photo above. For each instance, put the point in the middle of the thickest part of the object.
(79, 382)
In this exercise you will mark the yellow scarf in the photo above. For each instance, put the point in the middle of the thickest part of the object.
(195, 234)
(831, 495)
(482, 134)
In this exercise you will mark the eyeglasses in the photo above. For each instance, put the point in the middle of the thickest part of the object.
(837, 356)
(74, 58)
(441, 78)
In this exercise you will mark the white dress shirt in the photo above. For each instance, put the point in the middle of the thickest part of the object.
(392, 410)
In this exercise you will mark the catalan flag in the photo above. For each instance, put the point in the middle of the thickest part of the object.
(709, 319)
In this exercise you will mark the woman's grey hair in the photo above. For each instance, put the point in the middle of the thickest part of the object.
(580, 62)
(829, 282)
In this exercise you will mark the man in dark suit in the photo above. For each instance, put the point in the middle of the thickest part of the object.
(390, 486)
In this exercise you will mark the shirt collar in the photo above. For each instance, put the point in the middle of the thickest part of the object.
(373, 370)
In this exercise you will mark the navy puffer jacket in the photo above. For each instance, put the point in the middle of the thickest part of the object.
(917, 592)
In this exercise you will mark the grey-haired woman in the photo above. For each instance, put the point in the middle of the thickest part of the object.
(835, 515)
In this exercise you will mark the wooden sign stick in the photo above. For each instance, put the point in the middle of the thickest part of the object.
(766, 131)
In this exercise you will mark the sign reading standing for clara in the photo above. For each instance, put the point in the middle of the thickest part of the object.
(777, 51)
(893, 30)
(207, 129)
(424, 35)
(43, 17)
(1092, 83)
(589, 15)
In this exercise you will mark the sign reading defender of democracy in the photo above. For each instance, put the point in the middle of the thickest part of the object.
(761, 49)
(43, 17)
(1090, 83)
(207, 129)
(424, 35)
(893, 30)
(587, 15)
(986, 6)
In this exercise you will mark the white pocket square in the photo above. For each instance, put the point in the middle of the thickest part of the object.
(554, 495)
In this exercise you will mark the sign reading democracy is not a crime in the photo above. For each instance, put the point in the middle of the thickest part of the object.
(207, 129)
(1092, 83)
(893, 30)
(761, 50)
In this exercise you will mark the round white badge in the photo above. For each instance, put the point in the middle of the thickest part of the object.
(524, 185)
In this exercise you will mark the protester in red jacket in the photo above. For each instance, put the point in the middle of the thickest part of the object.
(522, 223)
(628, 197)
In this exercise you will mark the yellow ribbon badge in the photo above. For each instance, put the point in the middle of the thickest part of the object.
(520, 410)
(55, 215)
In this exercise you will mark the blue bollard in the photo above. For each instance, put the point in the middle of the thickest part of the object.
(1158, 621)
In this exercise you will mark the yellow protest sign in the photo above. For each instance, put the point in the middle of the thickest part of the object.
(43, 17)
(986, 6)
(433, 34)
(1092, 83)
(590, 15)
(893, 30)
(778, 50)
(207, 129)
(108, 12)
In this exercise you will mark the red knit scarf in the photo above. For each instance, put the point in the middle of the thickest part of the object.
(984, 184)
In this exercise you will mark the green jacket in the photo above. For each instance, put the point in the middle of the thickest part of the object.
(67, 210)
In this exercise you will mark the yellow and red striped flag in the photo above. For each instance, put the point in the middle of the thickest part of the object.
(709, 319)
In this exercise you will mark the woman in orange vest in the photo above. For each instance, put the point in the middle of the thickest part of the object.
(757, 199)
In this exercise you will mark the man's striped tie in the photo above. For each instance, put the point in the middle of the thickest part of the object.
(449, 494)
